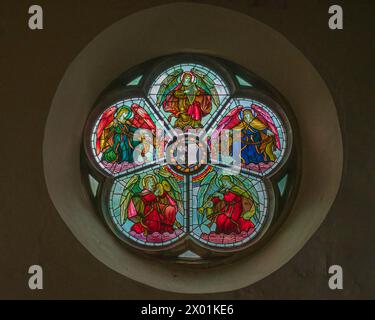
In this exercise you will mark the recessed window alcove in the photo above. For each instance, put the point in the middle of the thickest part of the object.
(253, 67)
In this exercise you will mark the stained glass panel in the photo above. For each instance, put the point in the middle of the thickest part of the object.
(243, 82)
(263, 137)
(226, 210)
(188, 95)
(149, 207)
(94, 184)
(135, 81)
(282, 184)
(113, 137)
(181, 191)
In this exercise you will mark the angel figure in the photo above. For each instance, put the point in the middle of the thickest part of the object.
(259, 136)
(151, 203)
(230, 207)
(188, 96)
(114, 134)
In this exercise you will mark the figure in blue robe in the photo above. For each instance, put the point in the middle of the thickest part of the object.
(257, 141)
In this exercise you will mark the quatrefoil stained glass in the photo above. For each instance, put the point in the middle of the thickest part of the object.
(162, 143)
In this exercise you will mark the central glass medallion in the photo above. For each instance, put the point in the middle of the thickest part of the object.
(190, 155)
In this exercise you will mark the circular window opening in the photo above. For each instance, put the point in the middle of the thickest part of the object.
(191, 158)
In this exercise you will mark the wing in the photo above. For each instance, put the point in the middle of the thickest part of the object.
(207, 187)
(253, 196)
(230, 121)
(204, 82)
(176, 192)
(168, 84)
(126, 197)
(242, 188)
(141, 118)
(264, 117)
(252, 207)
(104, 122)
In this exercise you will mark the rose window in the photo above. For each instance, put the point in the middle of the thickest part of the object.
(190, 158)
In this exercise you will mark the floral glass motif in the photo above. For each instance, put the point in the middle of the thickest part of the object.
(157, 204)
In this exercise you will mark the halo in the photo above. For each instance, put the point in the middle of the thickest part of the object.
(191, 74)
(241, 114)
(146, 177)
(120, 111)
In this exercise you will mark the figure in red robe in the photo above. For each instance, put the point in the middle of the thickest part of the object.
(230, 219)
(154, 208)
(159, 213)
(230, 208)
(188, 97)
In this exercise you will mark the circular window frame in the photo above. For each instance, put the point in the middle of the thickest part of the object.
(262, 92)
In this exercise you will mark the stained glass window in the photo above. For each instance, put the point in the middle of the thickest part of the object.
(190, 157)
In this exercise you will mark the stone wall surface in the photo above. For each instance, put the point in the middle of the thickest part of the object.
(32, 232)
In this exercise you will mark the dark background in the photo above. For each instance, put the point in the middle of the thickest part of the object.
(32, 232)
